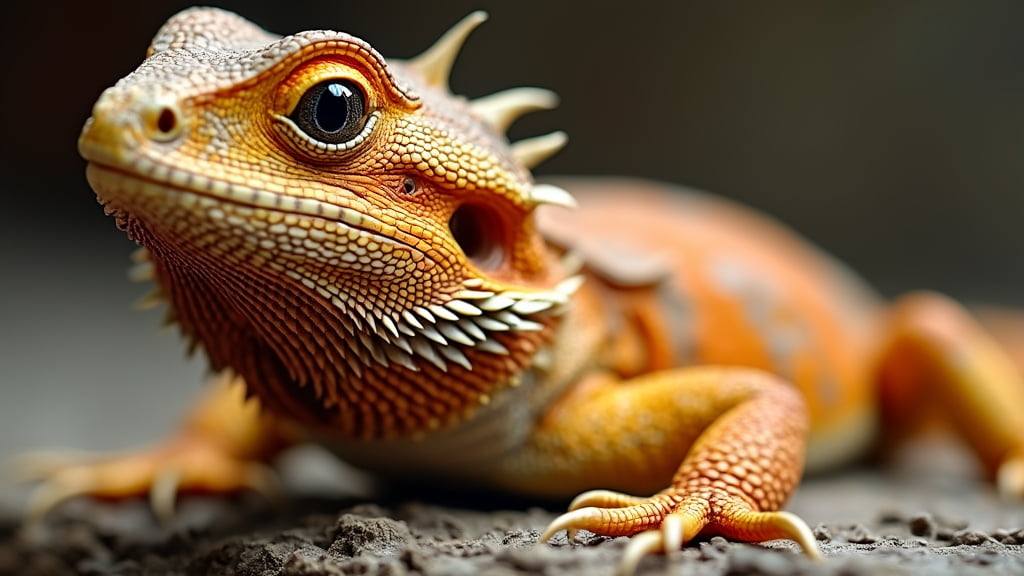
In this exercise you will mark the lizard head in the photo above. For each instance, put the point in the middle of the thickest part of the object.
(354, 240)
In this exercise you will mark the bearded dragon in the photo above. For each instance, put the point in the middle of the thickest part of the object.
(369, 264)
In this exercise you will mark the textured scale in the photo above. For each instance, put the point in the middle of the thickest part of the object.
(297, 261)
(403, 291)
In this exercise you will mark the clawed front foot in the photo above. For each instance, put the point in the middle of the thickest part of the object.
(161, 472)
(222, 447)
(666, 521)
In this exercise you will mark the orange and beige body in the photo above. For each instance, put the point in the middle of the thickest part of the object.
(373, 266)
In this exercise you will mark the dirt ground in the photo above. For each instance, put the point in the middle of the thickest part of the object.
(902, 521)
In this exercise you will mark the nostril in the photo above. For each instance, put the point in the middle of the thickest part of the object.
(162, 121)
(166, 121)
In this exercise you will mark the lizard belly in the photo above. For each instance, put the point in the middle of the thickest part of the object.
(463, 452)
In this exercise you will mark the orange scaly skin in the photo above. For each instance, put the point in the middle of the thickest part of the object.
(367, 255)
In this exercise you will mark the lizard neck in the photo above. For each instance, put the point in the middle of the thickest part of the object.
(331, 369)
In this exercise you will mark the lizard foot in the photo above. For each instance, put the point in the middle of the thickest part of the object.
(666, 521)
(162, 472)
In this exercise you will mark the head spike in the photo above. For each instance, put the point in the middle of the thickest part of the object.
(503, 108)
(435, 64)
(549, 194)
(533, 151)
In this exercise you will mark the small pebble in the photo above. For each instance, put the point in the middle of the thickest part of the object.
(923, 525)
(970, 538)
(715, 547)
(1002, 535)
(859, 534)
(822, 533)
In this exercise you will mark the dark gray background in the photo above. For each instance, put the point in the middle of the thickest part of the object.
(891, 133)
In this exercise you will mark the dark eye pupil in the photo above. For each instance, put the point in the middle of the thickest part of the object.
(332, 107)
(331, 112)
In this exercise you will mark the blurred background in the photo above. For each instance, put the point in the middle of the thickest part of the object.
(889, 133)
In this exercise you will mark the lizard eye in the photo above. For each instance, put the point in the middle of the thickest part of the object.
(331, 112)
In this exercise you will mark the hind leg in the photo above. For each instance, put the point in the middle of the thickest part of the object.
(937, 358)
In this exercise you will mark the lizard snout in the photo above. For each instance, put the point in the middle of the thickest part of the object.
(122, 121)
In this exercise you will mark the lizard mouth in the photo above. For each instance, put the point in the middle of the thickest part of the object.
(146, 187)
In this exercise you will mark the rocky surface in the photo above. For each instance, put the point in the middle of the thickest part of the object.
(866, 523)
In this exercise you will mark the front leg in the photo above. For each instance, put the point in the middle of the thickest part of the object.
(223, 445)
(739, 434)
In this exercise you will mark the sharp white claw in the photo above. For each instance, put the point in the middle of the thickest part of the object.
(672, 534)
(59, 489)
(569, 521)
(641, 545)
(163, 494)
(798, 531)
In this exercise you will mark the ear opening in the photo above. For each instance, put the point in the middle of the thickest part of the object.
(481, 234)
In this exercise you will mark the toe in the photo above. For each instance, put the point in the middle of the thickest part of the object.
(43, 464)
(605, 499)
(161, 473)
(59, 488)
(620, 521)
(753, 526)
